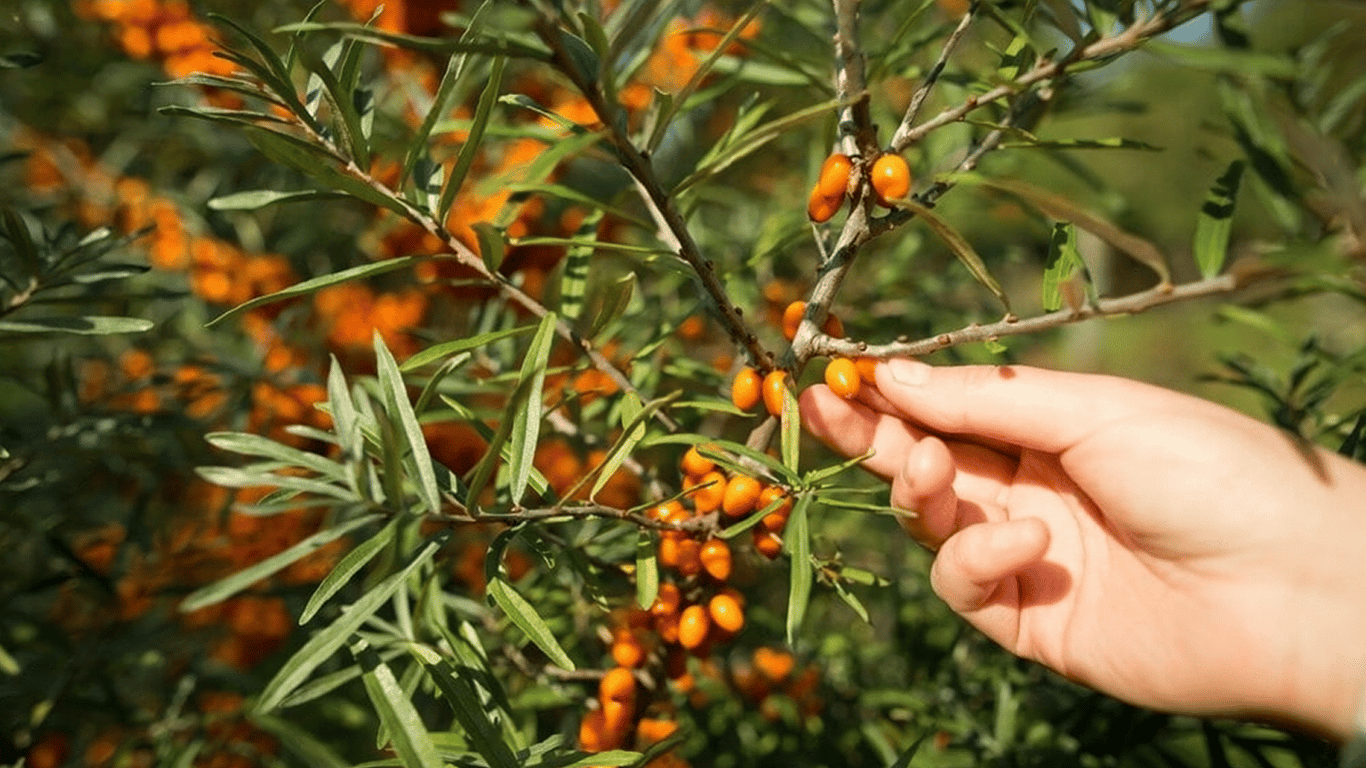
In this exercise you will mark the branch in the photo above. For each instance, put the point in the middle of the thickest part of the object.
(674, 230)
(923, 92)
(1125, 305)
(1133, 36)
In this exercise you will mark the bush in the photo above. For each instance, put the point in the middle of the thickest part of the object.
(368, 390)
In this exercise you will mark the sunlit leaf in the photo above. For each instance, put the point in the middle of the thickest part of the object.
(797, 542)
(527, 420)
(647, 569)
(313, 285)
(1064, 263)
(960, 248)
(408, 736)
(469, 709)
(254, 199)
(529, 621)
(347, 567)
(473, 139)
(1215, 223)
(400, 410)
(89, 325)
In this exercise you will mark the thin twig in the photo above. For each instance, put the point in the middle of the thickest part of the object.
(1131, 304)
(932, 77)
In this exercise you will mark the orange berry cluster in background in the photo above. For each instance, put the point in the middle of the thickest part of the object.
(165, 31)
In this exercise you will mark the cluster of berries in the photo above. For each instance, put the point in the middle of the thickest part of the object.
(889, 175)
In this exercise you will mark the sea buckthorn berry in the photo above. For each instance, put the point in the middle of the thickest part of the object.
(667, 510)
(745, 390)
(667, 600)
(834, 178)
(726, 612)
(768, 544)
(742, 493)
(652, 730)
(891, 179)
(841, 375)
(716, 559)
(592, 731)
(670, 551)
(694, 464)
(792, 319)
(776, 519)
(822, 209)
(616, 722)
(693, 625)
(775, 385)
(774, 664)
(710, 490)
(689, 557)
(666, 626)
(866, 367)
(628, 649)
(618, 684)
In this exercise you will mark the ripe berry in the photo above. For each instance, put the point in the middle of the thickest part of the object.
(768, 544)
(617, 685)
(742, 493)
(775, 385)
(776, 518)
(822, 209)
(725, 612)
(689, 557)
(627, 648)
(667, 600)
(711, 489)
(841, 375)
(745, 390)
(774, 664)
(652, 730)
(693, 626)
(891, 179)
(591, 731)
(694, 464)
(792, 319)
(716, 560)
(834, 179)
(866, 367)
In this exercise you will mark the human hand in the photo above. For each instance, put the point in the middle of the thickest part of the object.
(1158, 547)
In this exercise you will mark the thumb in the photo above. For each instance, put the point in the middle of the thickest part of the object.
(973, 570)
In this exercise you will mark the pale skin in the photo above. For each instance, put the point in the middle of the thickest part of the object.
(1160, 548)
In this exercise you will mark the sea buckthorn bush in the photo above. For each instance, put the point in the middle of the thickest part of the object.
(381, 384)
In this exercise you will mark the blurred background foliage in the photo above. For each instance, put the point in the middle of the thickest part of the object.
(122, 212)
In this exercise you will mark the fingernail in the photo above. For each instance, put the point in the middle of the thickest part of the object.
(911, 373)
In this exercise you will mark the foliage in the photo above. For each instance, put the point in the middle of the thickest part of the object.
(382, 417)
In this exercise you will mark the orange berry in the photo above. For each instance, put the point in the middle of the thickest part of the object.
(822, 209)
(891, 179)
(689, 557)
(774, 664)
(776, 518)
(666, 510)
(694, 464)
(710, 490)
(669, 553)
(834, 178)
(592, 730)
(866, 367)
(693, 626)
(666, 626)
(742, 493)
(775, 384)
(768, 544)
(745, 390)
(841, 375)
(652, 730)
(618, 684)
(715, 558)
(792, 319)
(627, 648)
(616, 722)
(667, 600)
(725, 612)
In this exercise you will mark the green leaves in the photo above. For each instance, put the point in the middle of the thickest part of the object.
(529, 621)
(1064, 269)
(960, 248)
(1216, 221)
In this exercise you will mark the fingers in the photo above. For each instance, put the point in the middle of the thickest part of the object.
(925, 485)
(975, 568)
(853, 430)
(1028, 407)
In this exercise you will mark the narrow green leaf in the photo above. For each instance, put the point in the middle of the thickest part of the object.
(1064, 263)
(480, 473)
(501, 44)
(19, 236)
(313, 285)
(574, 279)
(224, 588)
(527, 420)
(586, 63)
(400, 410)
(791, 425)
(321, 646)
(248, 444)
(345, 419)
(310, 750)
(525, 617)
(616, 297)
(493, 244)
(271, 70)
(1217, 59)
(255, 199)
(343, 107)
(851, 600)
(1216, 221)
(89, 325)
(448, 348)
(474, 139)
(408, 736)
(320, 165)
(959, 246)
(647, 569)
(249, 477)
(347, 567)
(8, 664)
(797, 542)
(634, 418)
(469, 708)
(1061, 208)
(755, 140)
